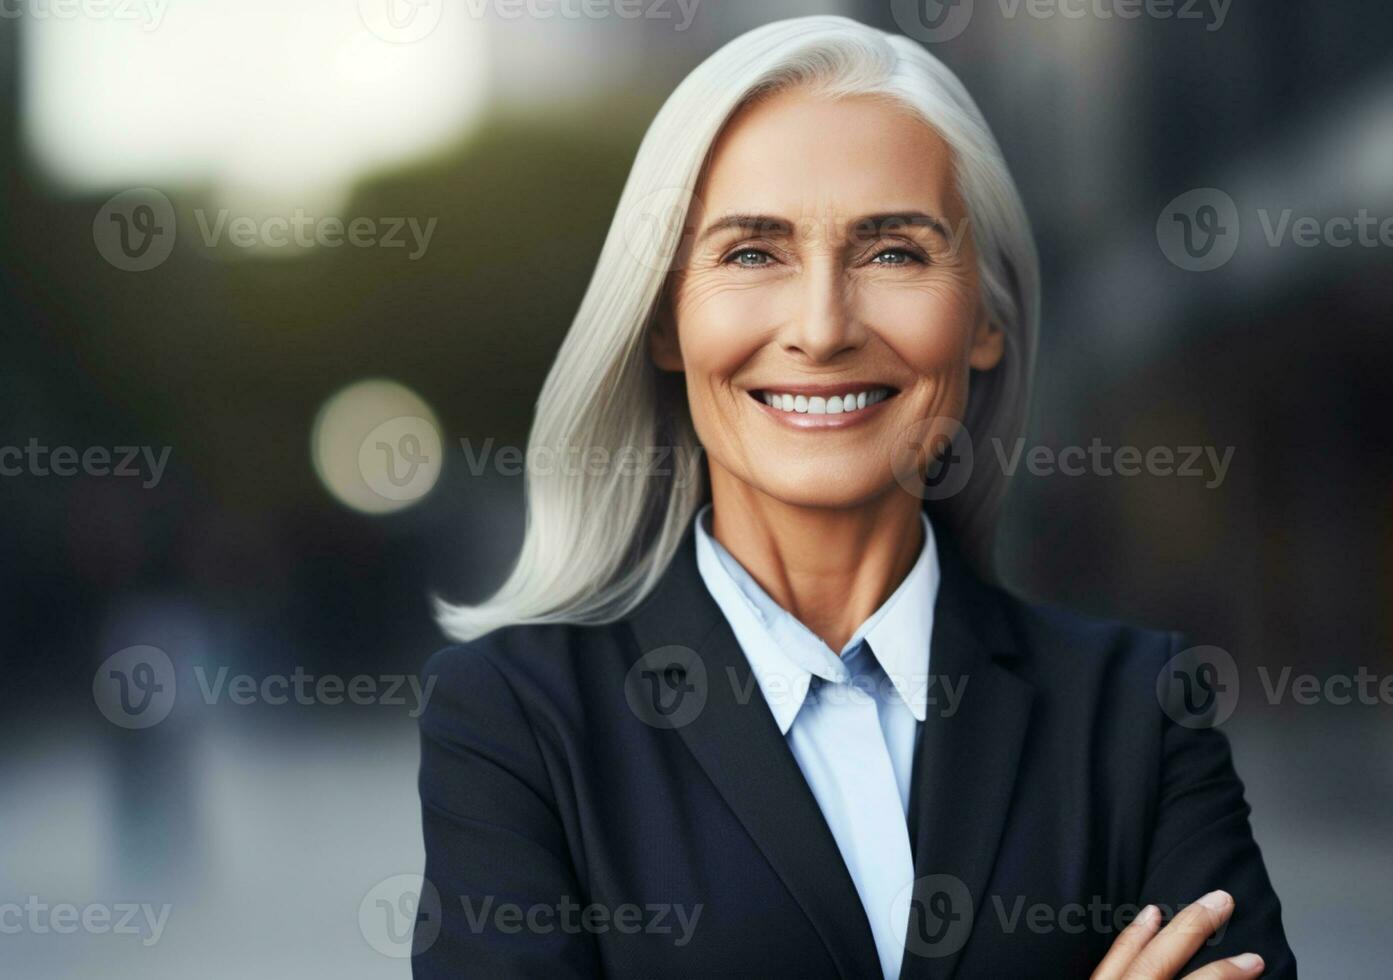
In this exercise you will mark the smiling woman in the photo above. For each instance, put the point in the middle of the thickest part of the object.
(725, 695)
(598, 540)
(853, 287)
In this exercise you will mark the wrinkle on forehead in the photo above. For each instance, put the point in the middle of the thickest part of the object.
(820, 162)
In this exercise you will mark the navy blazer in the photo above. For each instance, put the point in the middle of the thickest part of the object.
(617, 801)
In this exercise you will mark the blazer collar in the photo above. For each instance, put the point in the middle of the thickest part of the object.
(785, 655)
(964, 765)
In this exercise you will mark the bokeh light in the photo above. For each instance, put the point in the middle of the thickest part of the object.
(376, 447)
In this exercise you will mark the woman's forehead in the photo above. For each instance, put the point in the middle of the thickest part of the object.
(809, 158)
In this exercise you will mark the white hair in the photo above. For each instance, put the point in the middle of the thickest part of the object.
(598, 538)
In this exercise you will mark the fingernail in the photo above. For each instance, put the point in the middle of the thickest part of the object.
(1216, 901)
(1248, 962)
(1149, 915)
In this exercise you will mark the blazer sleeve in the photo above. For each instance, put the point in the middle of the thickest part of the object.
(496, 852)
(1202, 841)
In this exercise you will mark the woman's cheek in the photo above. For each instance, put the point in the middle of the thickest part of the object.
(929, 327)
(726, 327)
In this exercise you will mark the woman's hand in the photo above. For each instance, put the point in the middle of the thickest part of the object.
(1140, 952)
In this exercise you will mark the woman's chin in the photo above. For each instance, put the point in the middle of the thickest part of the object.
(815, 489)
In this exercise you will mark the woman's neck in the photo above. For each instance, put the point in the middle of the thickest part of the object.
(830, 567)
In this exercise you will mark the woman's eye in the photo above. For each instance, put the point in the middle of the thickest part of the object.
(896, 256)
(751, 258)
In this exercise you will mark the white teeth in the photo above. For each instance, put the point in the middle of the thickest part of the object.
(818, 405)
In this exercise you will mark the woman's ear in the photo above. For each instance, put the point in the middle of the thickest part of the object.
(663, 347)
(988, 344)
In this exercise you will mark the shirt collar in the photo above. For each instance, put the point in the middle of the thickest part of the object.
(785, 655)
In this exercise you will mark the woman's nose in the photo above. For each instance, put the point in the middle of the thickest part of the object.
(824, 323)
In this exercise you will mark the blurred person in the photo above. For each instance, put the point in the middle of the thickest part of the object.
(772, 716)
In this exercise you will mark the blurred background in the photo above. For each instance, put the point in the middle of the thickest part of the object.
(241, 237)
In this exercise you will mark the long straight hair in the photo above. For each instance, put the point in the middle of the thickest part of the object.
(599, 535)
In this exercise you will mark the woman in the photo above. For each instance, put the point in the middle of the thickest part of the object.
(771, 719)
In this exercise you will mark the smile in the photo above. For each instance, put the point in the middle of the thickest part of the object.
(851, 401)
(822, 407)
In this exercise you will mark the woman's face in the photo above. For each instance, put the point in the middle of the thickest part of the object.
(831, 271)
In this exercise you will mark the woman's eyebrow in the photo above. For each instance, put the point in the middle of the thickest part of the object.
(877, 224)
(762, 223)
(866, 226)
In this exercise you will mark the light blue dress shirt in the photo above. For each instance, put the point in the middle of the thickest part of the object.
(850, 719)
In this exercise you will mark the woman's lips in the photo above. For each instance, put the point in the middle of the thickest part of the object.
(821, 406)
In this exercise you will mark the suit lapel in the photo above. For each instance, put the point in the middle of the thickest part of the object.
(964, 769)
(964, 766)
(736, 741)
